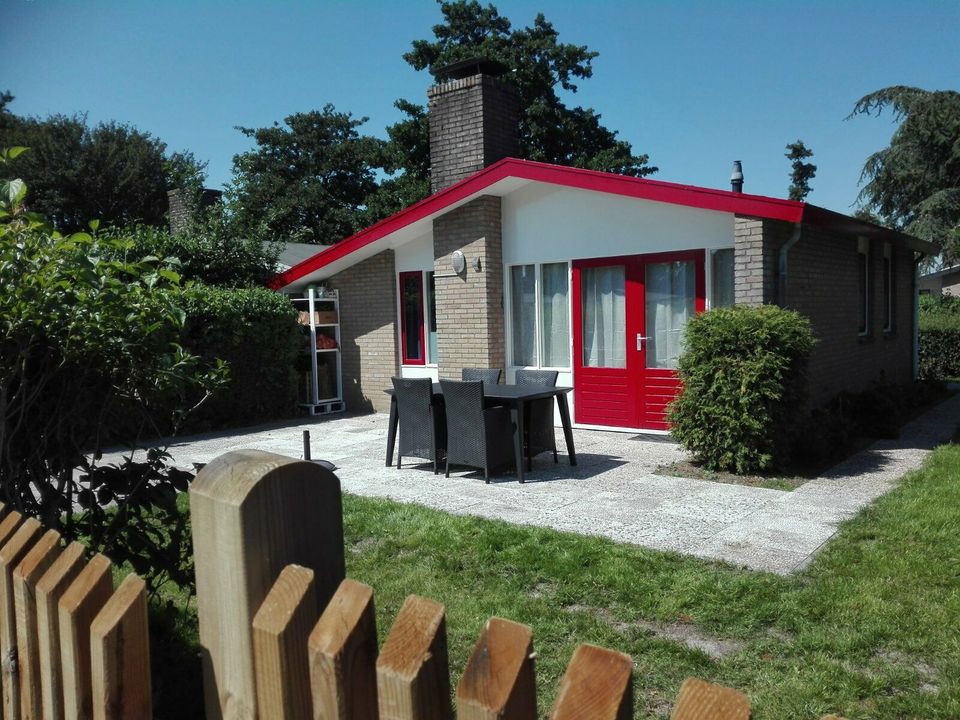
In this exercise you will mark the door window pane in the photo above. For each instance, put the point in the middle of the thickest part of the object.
(411, 296)
(670, 298)
(721, 269)
(554, 320)
(432, 317)
(523, 299)
(604, 317)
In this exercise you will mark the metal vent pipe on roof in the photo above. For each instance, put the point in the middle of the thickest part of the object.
(736, 179)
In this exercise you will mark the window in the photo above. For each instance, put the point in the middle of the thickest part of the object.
(887, 288)
(863, 286)
(540, 315)
(411, 318)
(604, 316)
(721, 278)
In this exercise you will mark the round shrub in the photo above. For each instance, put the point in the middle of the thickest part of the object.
(744, 387)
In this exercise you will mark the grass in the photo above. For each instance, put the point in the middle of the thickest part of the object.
(868, 631)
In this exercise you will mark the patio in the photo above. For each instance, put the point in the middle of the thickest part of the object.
(613, 491)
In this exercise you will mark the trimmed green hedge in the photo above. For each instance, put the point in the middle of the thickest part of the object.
(939, 345)
(744, 387)
(255, 330)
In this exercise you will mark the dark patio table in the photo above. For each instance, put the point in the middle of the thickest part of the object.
(515, 396)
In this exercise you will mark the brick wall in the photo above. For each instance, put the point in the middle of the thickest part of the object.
(470, 330)
(821, 283)
(473, 123)
(368, 333)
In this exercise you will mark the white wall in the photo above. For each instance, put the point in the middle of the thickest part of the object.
(415, 255)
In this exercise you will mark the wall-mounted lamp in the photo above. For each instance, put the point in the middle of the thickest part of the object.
(458, 262)
(476, 264)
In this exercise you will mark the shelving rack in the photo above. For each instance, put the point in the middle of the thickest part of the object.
(325, 389)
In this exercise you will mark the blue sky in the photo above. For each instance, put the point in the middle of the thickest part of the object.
(695, 85)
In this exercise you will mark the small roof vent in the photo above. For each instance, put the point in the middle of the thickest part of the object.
(469, 68)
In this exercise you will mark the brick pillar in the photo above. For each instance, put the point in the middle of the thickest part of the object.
(470, 330)
(756, 256)
(473, 123)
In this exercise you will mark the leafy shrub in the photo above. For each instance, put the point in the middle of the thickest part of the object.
(744, 384)
(940, 342)
(255, 332)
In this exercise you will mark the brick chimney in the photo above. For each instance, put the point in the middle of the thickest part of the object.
(473, 121)
(180, 206)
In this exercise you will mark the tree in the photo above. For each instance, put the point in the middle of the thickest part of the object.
(802, 172)
(914, 183)
(307, 180)
(112, 171)
(550, 131)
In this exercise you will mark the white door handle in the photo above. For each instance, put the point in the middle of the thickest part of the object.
(640, 339)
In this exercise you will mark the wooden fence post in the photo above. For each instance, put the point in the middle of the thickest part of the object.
(700, 700)
(77, 608)
(253, 513)
(10, 556)
(598, 684)
(280, 631)
(343, 656)
(120, 655)
(413, 681)
(499, 680)
(49, 590)
(25, 578)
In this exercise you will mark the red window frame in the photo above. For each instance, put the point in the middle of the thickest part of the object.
(422, 360)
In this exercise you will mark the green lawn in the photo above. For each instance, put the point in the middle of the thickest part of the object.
(869, 631)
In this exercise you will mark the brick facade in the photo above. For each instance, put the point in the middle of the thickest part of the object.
(368, 331)
(473, 123)
(821, 282)
(470, 325)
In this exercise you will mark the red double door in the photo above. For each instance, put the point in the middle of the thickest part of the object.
(628, 324)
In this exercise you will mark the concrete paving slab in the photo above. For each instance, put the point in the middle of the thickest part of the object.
(614, 491)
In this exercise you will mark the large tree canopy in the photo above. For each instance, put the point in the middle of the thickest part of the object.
(541, 65)
(111, 172)
(914, 184)
(307, 180)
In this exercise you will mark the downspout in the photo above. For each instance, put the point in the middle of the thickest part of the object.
(918, 258)
(782, 265)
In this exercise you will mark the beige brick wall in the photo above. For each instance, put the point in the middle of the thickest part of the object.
(470, 331)
(368, 332)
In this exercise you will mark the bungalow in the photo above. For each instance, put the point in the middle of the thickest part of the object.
(518, 264)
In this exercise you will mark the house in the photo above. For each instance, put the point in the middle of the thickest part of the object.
(941, 282)
(513, 264)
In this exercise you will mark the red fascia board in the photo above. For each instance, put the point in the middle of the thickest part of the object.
(594, 180)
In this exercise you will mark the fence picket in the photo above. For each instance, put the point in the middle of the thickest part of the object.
(10, 556)
(700, 700)
(120, 655)
(49, 589)
(280, 630)
(597, 684)
(499, 680)
(343, 656)
(76, 609)
(413, 682)
(25, 578)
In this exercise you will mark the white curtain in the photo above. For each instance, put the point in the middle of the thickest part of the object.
(554, 313)
(670, 291)
(523, 299)
(604, 317)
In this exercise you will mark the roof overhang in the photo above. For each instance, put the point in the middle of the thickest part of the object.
(510, 174)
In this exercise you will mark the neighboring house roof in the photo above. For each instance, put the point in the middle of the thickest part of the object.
(942, 273)
(293, 254)
(510, 174)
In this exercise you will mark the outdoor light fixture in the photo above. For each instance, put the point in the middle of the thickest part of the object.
(476, 264)
(458, 262)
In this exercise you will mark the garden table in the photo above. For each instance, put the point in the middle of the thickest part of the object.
(514, 396)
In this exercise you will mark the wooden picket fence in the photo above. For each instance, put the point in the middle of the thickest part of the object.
(71, 646)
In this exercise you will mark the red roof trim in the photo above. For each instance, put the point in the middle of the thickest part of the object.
(656, 190)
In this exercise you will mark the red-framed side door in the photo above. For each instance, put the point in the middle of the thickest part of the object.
(628, 318)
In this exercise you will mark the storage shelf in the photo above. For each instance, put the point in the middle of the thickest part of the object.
(329, 365)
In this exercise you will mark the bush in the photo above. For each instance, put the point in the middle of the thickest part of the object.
(744, 385)
(940, 342)
(255, 331)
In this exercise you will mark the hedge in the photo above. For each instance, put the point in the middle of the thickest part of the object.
(744, 387)
(939, 345)
(255, 331)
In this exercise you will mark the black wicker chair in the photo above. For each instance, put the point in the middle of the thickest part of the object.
(476, 436)
(490, 376)
(539, 435)
(423, 429)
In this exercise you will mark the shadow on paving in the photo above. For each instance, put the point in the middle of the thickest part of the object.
(588, 465)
